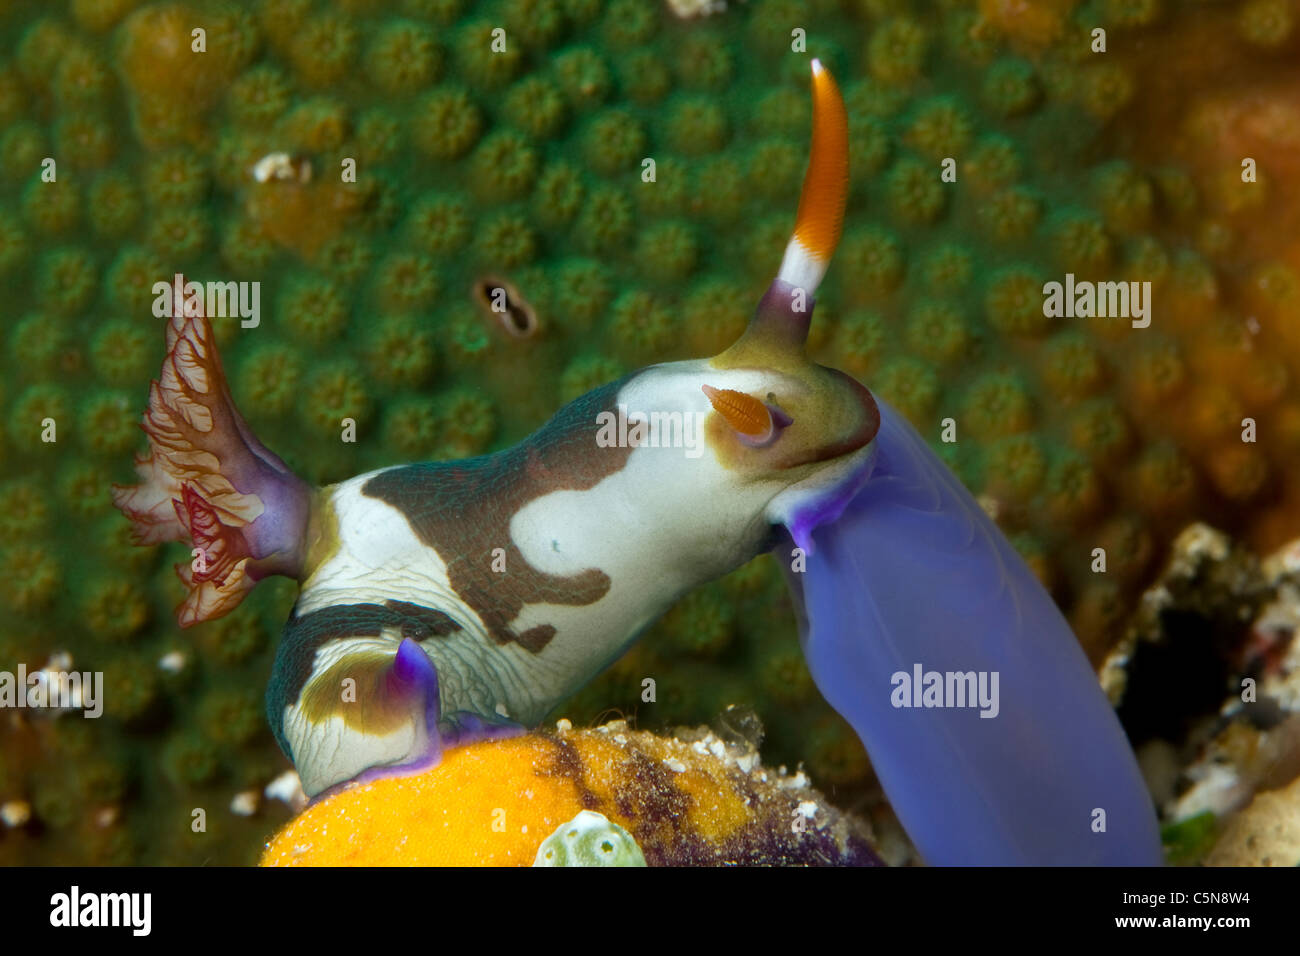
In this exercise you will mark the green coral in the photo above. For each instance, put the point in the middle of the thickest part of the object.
(231, 717)
(332, 393)
(874, 257)
(323, 49)
(916, 194)
(696, 125)
(466, 423)
(941, 127)
(130, 279)
(996, 405)
(1010, 87)
(66, 280)
(628, 23)
(486, 54)
(536, 106)
(29, 578)
(23, 510)
(506, 241)
(1082, 243)
(446, 123)
(259, 96)
(559, 194)
(190, 759)
(949, 266)
(644, 77)
(52, 207)
(83, 489)
(504, 166)
(583, 76)
(910, 386)
(236, 638)
(938, 331)
(114, 609)
(614, 142)
(993, 161)
(113, 204)
(1013, 302)
(23, 145)
(605, 221)
(176, 177)
(668, 251)
(1016, 465)
(403, 57)
(775, 168)
(897, 50)
(586, 373)
(704, 61)
(584, 290)
(86, 141)
(640, 324)
(1266, 23)
(720, 194)
(537, 23)
(400, 353)
(1013, 213)
(108, 423)
(411, 428)
(268, 379)
(714, 313)
(14, 246)
(313, 309)
(246, 247)
(181, 234)
(39, 342)
(406, 282)
(702, 623)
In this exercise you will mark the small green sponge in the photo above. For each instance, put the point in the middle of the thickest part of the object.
(589, 839)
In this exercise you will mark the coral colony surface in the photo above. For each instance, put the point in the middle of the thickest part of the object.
(1070, 259)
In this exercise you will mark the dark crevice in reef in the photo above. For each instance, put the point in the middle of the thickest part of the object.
(1174, 683)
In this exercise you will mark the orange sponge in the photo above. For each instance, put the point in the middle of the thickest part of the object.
(690, 799)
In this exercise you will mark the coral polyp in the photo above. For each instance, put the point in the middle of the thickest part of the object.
(446, 123)
(403, 57)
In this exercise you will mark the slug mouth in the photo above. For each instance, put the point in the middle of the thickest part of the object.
(855, 417)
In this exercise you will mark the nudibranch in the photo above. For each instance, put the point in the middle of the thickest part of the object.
(447, 602)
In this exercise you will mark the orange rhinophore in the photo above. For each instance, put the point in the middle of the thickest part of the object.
(825, 185)
(744, 413)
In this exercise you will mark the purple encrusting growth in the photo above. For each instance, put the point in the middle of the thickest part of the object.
(913, 572)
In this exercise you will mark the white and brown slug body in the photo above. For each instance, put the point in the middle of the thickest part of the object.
(450, 601)
(447, 601)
